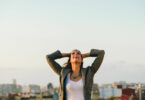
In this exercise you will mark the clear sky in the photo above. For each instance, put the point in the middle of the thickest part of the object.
(31, 29)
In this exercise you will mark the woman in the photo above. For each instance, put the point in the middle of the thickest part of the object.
(75, 81)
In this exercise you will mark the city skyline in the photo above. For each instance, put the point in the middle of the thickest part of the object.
(32, 29)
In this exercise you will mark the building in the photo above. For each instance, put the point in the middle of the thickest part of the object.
(6, 89)
(108, 91)
(13, 81)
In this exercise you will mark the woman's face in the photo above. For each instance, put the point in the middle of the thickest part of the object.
(76, 57)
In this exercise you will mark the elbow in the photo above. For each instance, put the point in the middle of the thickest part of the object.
(48, 58)
(102, 52)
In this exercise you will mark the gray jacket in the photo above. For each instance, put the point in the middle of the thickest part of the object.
(87, 73)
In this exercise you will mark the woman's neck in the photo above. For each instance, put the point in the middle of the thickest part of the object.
(75, 69)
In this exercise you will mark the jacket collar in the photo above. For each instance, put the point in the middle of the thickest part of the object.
(65, 72)
(83, 72)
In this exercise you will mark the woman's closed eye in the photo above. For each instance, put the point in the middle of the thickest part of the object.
(76, 52)
(72, 53)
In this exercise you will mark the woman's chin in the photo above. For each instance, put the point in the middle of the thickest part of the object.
(76, 61)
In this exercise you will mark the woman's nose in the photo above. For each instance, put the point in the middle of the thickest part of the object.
(76, 53)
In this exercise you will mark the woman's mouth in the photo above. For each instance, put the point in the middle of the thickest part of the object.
(75, 57)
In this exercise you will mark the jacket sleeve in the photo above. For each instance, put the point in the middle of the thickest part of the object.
(99, 54)
(51, 61)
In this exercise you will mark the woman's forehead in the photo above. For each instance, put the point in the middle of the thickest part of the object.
(76, 50)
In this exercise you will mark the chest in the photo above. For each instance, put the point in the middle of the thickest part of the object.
(74, 85)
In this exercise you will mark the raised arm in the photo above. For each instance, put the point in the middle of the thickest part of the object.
(99, 54)
(51, 60)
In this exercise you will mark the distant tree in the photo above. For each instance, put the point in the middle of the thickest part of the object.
(50, 86)
(111, 98)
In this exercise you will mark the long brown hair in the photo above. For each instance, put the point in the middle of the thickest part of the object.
(68, 63)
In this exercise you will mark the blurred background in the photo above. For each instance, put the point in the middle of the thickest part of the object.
(29, 30)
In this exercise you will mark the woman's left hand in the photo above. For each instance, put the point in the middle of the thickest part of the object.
(85, 55)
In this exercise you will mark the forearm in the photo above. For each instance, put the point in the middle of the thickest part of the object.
(96, 52)
(51, 60)
(93, 53)
(65, 54)
(86, 55)
(55, 55)
(99, 54)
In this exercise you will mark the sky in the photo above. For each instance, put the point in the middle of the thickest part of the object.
(31, 29)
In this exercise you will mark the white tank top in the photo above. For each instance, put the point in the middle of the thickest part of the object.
(74, 90)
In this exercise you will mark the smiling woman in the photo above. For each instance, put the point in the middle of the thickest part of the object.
(75, 81)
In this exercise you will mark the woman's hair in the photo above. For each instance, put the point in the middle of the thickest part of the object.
(68, 63)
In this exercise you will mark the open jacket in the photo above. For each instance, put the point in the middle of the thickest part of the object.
(87, 73)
